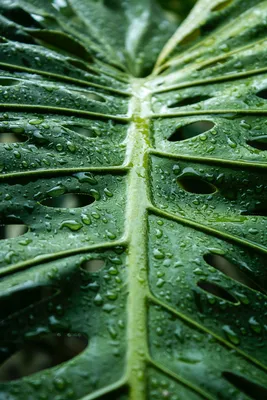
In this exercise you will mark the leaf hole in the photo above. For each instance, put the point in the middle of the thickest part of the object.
(60, 41)
(11, 137)
(259, 143)
(217, 290)
(222, 5)
(213, 64)
(163, 69)
(189, 101)
(81, 130)
(114, 5)
(250, 388)
(69, 200)
(230, 269)
(94, 265)
(21, 17)
(90, 95)
(11, 227)
(10, 231)
(259, 211)
(9, 82)
(262, 94)
(81, 65)
(41, 353)
(196, 185)
(23, 298)
(195, 34)
(190, 130)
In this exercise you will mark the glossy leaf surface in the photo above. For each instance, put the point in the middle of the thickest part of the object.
(133, 190)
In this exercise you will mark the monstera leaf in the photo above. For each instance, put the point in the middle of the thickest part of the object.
(133, 199)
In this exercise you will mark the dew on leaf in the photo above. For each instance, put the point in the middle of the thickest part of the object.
(254, 325)
(56, 191)
(86, 219)
(98, 300)
(158, 254)
(231, 335)
(72, 224)
(84, 177)
(36, 121)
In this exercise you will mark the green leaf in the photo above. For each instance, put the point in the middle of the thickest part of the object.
(133, 199)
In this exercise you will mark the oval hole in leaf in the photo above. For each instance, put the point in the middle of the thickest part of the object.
(9, 81)
(213, 64)
(222, 5)
(196, 185)
(60, 41)
(69, 200)
(191, 130)
(260, 211)
(23, 298)
(230, 269)
(11, 228)
(81, 130)
(259, 143)
(41, 353)
(19, 16)
(164, 69)
(80, 65)
(262, 94)
(250, 388)
(188, 101)
(217, 290)
(94, 265)
(90, 95)
(10, 137)
(113, 5)
(191, 36)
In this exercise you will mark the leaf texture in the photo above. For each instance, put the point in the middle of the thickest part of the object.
(133, 211)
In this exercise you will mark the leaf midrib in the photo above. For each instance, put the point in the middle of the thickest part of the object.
(138, 144)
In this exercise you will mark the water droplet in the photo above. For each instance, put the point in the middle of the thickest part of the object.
(56, 191)
(254, 324)
(86, 219)
(72, 224)
(230, 334)
(36, 121)
(86, 177)
(158, 254)
(59, 383)
(98, 300)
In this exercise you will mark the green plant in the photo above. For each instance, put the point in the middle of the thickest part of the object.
(158, 257)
